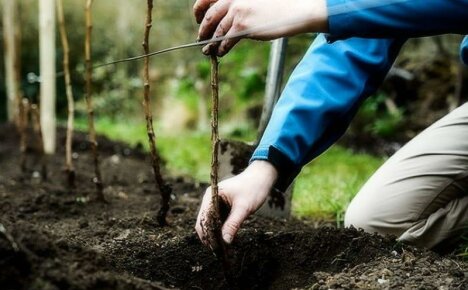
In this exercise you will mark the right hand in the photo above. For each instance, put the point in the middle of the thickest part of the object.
(243, 194)
(227, 17)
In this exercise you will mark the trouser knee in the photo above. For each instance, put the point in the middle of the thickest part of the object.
(371, 219)
(358, 219)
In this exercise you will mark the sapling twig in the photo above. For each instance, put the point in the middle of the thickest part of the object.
(89, 102)
(215, 143)
(70, 171)
(23, 122)
(163, 188)
(215, 213)
(36, 122)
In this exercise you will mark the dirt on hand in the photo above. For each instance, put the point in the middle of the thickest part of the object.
(51, 238)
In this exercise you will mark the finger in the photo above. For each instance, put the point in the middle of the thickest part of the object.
(212, 18)
(202, 216)
(200, 7)
(224, 28)
(234, 221)
(209, 48)
(226, 45)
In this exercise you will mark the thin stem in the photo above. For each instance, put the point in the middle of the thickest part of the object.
(221, 251)
(89, 102)
(70, 100)
(214, 135)
(23, 122)
(35, 118)
(164, 189)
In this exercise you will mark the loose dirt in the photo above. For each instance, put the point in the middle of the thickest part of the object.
(54, 238)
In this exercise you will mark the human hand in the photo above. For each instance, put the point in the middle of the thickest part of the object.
(243, 194)
(227, 17)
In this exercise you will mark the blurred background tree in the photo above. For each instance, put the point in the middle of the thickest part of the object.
(180, 78)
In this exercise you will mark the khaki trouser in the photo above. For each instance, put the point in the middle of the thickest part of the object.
(421, 193)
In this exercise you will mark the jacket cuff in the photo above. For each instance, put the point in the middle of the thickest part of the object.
(287, 170)
(338, 20)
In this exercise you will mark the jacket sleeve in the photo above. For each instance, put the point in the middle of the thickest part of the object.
(396, 18)
(320, 99)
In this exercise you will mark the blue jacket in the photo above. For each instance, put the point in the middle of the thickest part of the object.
(344, 67)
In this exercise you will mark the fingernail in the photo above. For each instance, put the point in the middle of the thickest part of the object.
(227, 238)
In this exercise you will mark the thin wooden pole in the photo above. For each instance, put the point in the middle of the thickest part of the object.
(162, 187)
(70, 100)
(47, 72)
(89, 102)
(11, 60)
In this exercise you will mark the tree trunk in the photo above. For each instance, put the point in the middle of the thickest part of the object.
(10, 30)
(47, 72)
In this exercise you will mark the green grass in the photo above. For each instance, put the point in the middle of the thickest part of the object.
(322, 190)
(463, 249)
(464, 252)
(187, 153)
(326, 186)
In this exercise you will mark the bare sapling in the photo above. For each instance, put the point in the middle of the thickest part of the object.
(23, 122)
(218, 212)
(164, 189)
(35, 119)
(214, 148)
(89, 102)
(69, 169)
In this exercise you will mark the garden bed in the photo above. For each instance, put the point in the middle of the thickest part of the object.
(51, 238)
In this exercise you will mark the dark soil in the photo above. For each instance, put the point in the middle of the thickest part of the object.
(54, 238)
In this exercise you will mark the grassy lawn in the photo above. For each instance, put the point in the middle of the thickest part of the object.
(463, 249)
(187, 153)
(326, 186)
(322, 190)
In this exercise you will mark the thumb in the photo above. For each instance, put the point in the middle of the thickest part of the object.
(233, 223)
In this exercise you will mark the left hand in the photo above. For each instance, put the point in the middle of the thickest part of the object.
(243, 194)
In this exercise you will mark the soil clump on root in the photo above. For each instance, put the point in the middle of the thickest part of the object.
(54, 238)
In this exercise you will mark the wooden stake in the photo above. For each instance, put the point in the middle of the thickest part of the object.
(89, 102)
(47, 13)
(70, 100)
(163, 188)
(10, 40)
